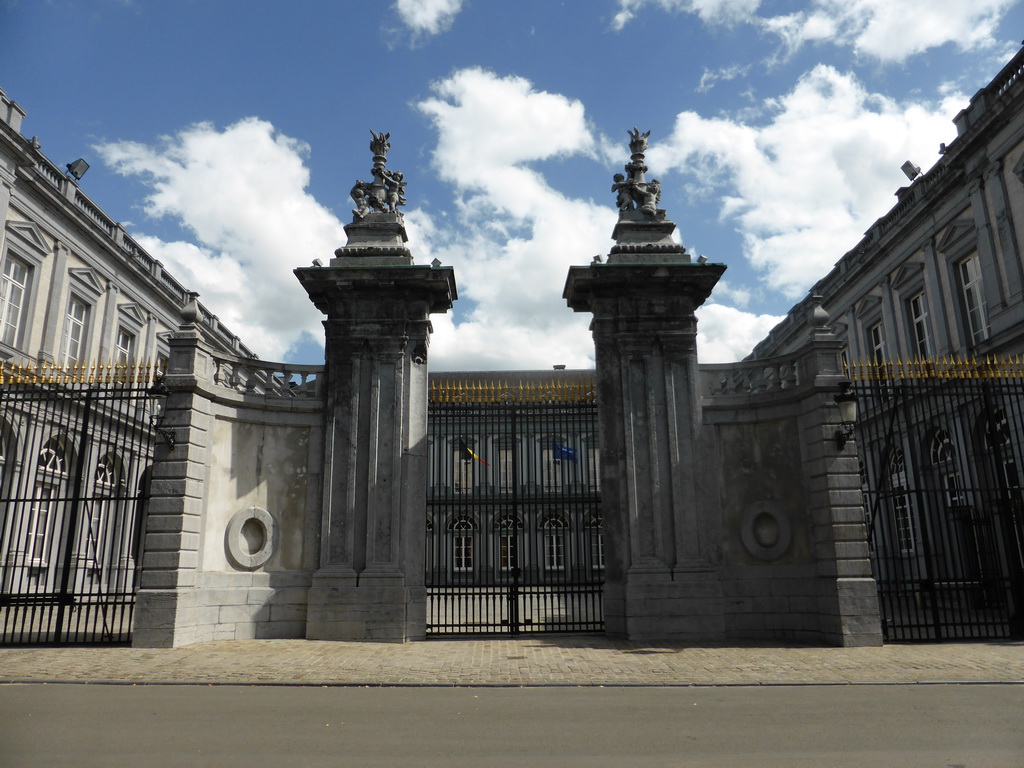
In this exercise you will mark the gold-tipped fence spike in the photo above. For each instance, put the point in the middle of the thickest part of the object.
(945, 367)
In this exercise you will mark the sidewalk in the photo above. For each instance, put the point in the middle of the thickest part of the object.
(538, 660)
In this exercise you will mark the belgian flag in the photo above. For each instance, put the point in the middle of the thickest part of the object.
(468, 455)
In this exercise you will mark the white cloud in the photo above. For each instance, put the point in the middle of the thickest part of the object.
(515, 235)
(893, 30)
(428, 17)
(241, 191)
(710, 77)
(805, 186)
(710, 11)
(887, 30)
(725, 334)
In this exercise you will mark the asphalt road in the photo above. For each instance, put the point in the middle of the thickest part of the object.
(107, 726)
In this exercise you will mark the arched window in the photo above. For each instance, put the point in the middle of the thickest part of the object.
(107, 478)
(51, 473)
(53, 459)
(463, 530)
(943, 456)
(108, 490)
(555, 528)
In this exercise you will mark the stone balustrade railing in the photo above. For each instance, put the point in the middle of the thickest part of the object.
(269, 380)
(751, 377)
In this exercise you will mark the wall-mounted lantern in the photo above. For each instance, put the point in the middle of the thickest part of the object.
(846, 401)
(158, 394)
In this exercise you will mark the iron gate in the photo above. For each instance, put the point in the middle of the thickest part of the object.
(514, 529)
(940, 446)
(74, 459)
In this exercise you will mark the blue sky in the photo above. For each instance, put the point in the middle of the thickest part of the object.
(225, 136)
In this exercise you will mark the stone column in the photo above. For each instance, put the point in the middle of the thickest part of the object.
(167, 599)
(847, 592)
(370, 583)
(660, 577)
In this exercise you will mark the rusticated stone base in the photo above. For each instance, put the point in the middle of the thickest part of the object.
(652, 605)
(365, 608)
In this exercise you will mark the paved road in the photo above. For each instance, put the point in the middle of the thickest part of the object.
(915, 726)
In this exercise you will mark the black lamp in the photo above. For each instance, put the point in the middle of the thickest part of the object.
(847, 404)
(158, 394)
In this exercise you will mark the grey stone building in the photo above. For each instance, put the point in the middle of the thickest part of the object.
(929, 307)
(942, 273)
(80, 302)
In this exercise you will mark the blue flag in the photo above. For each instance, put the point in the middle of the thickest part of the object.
(561, 453)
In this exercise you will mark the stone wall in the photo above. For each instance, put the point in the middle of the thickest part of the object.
(794, 559)
(233, 525)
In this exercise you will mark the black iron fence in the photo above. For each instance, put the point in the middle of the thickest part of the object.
(75, 450)
(514, 529)
(940, 445)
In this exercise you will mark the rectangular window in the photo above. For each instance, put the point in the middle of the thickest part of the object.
(921, 345)
(594, 469)
(125, 347)
(13, 291)
(876, 343)
(463, 474)
(38, 528)
(903, 521)
(462, 551)
(506, 469)
(975, 310)
(554, 550)
(75, 331)
(552, 471)
(955, 498)
(506, 550)
(596, 549)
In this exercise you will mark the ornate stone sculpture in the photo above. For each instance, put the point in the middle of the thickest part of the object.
(387, 190)
(633, 191)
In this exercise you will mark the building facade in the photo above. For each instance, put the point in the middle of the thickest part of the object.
(929, 307)
(84, 308)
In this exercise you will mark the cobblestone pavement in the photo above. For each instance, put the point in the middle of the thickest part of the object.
(549, 660)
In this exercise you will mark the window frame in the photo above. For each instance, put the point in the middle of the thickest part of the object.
(14, 339)
(974, 304)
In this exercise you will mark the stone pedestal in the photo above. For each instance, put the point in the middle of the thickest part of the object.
(660, 578)
(369, 585)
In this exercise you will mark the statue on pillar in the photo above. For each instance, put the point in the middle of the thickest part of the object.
(633, 191)
(387, 190)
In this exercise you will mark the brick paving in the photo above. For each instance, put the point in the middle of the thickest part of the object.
(537, 660)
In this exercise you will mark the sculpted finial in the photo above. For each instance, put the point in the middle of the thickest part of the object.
(632, 190)
(637, 141)
(387, 190)
(380, 144)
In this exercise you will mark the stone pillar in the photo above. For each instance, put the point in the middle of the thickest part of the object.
(370, 582)
(660, 578)
(848, 594)
(166, 605)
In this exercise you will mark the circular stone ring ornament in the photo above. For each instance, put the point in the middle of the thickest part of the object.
(251, 538)
(765, 530)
